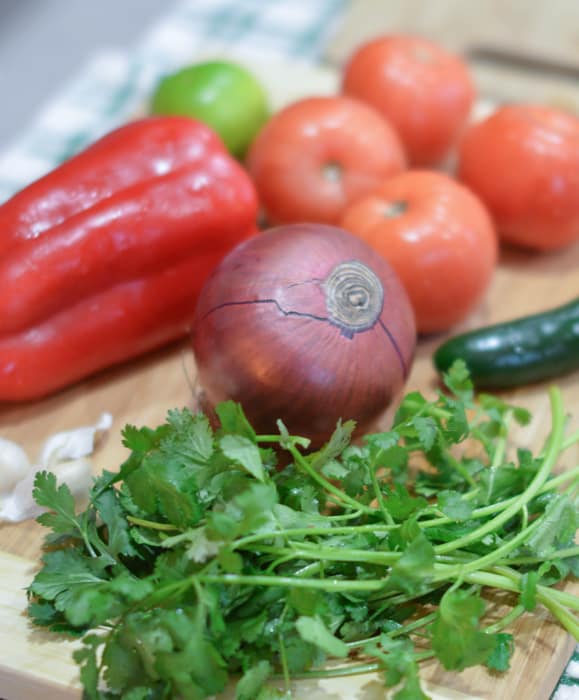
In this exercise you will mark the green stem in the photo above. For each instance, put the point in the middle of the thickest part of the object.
(356, 669)
(567, 599)
(426, 408)
(312, 532)
(330, 585)
(478, 513)
(551, 599)
(460, 468)
(295, 439)
(379, 496)
(560, 554)
(324, 483)
(507, 620)
(551, 454)
(570, 440)
(565, 617)
(305, 550)
(500, 449)
(151, 524)
(459, 570)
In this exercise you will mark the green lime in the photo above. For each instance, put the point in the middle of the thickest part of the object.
(224, 95)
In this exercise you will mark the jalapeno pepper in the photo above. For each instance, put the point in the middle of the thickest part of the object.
(524, 350)
(103, 258)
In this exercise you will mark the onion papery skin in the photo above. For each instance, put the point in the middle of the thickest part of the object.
(263, 334)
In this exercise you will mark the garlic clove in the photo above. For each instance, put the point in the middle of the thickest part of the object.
(14, 465)
(73, 444)
(65, 454)
(20, 504)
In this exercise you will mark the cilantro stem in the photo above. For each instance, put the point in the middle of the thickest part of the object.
(295, 439)
(426, 408)
(560, 554)
(291, 582)
(506, 620)
(379, 496)
(570, 440)
(565, 617)
(551, 454)
(152, 524)
(306, 550)
(324, 483)
(499, 453)
(460, 468)
(283, 653)
(496, 555)
(312, 532)
(399, 631)
(356, 669)
(567, 599)
(551, 599)
(482, 512)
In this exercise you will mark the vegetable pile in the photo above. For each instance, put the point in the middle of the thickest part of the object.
(203, 560)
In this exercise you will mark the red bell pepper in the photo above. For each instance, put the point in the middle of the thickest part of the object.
(103, 258)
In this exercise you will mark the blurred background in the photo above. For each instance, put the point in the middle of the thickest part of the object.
(70, 70)
(43, 43)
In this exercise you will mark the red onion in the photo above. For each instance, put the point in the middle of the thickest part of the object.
(307, 324)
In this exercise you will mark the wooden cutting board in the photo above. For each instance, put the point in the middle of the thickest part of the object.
(525, 50)
(34, 664)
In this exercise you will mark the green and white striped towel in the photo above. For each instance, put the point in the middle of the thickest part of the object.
(115, 84)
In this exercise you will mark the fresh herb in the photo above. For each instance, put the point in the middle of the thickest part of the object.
(220, 555)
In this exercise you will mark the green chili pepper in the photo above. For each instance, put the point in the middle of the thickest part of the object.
(521, 351)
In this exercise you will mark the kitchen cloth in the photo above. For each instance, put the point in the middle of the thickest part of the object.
(115, 84)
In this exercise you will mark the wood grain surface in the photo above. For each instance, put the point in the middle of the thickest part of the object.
(141, 392)
(524, 50)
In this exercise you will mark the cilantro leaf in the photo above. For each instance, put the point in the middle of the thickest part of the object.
(500, 657)
(401, 505)
(313, 630)
(452, 504)
(242, 451)
(413, 570)
(233, 420)
(458, 380)
(61, 518)
(252, 680)
(558, 527)
(399, 666)
(458, 619)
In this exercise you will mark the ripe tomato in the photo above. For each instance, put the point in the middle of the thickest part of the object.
(423, 90)
(438, 237)
(523, 162)
(319, 154)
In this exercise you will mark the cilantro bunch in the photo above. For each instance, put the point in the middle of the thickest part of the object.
(219, 556)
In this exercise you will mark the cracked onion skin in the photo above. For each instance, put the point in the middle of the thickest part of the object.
(307, 324)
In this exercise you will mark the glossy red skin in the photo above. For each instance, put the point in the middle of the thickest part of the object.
(139, 199)
(103, 258)
(442, 243)
(424, 91)
(261, 334)
(292, 158)
(523, 162)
